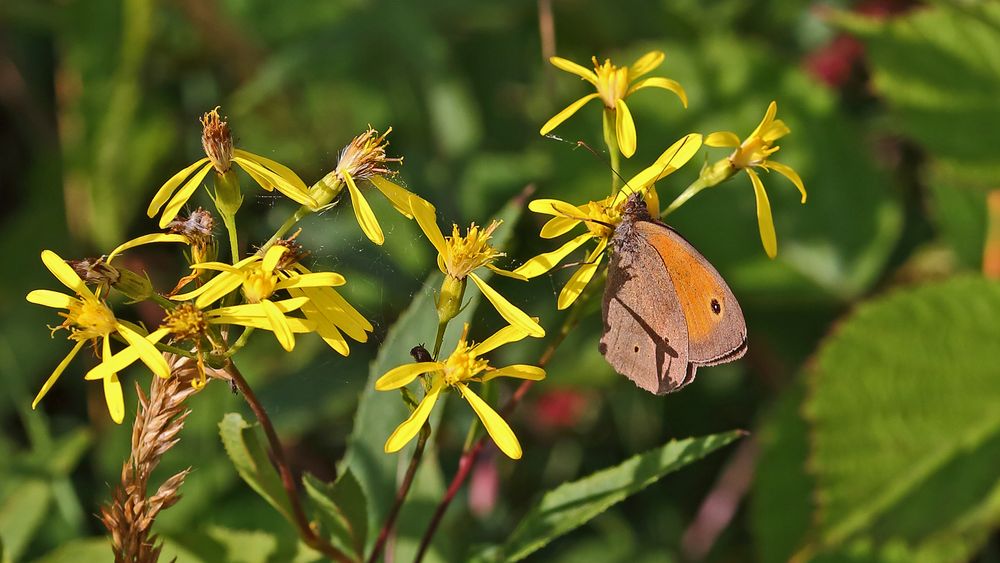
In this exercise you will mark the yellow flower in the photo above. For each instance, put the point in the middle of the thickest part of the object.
(87, 318)
(613, 85)
(755, 152)
(463, 366)
(460, 255)
(218, 144)
(365, 159)
(260, 277)
(600, 218)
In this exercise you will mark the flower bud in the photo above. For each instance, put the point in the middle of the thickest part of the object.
(450, 301)
(134, 286)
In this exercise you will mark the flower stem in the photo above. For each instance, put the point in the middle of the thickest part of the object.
(469, 456)
(404, 489)
(234, 243)
(687, 194)
(240, 342)
(306, 532)
(285, 227)
(611, 140)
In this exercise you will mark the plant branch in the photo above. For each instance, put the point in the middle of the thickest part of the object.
(404, 489)
(306, 532)
(469, 456)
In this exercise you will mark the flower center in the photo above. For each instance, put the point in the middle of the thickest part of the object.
(612, 82)
(89, 319)
(752, 152)
(466, 253)
(606, 214)
(365, 156)
(463, 364)
(259, 285)
(186, 322)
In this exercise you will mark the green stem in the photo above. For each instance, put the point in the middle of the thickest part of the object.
(687, 194)
(439, 338)
(285, 227)
(234, 243)
(614, 154)
(240, 342)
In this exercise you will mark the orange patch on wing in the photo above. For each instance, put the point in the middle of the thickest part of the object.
(696, 286)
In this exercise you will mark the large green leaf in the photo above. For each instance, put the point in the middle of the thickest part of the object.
(571, 505)
(906, 430)
(21, 515)
(244, 448)
(343, 509)
(380, 412)
(938, 69)
(781, 505)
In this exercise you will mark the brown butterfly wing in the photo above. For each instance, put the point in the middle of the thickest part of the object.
(645, 338)
(716, 330)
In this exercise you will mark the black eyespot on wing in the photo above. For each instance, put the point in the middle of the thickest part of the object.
(637, 349)
(716, 308)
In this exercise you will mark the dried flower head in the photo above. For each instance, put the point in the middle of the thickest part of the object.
(217, 140)
(365, 157)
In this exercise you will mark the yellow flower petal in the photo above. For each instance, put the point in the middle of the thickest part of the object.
(326, 330)
(774, 131)
(722, 139)
(317, 279)
(279, 325)
(409, 428)
(396, 194)
(772, 109)
(124, 358)
(269, 180)
(787, 172)
(295, 324)
(581, 277)
(167, 189)
(545, 262)
(520, 371)
(558, 208)
(218, 267)
(146, 239)
(645, 64)
(285, 172)
(660, 82)
(65, 274)
(573, 68)
(113, 396)
(182, 196)
(566, 113)
(624, 129)
(256, 310)
(673, 158)
(497, 427)
(214, 289)
(764, 221)
(49, 298)
(57, 372)
(426, 217)
(113, 388)
(363, 211)
(272, 257)
(147, 352)
(507, 310)
(557, 226)
(401, 376)
(338, 311)
(505, 273)
(504, 336)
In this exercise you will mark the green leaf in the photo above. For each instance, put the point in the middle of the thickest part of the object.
(937, 68)
(21, 516)
(81, 549)
(906, 432)
(572, 505)
(380, 412)
(781, 506)
(245, 450)
(344, 511)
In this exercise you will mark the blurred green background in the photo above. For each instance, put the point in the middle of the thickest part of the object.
(871, 384)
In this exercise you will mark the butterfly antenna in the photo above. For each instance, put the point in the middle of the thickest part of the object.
(603, 158)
